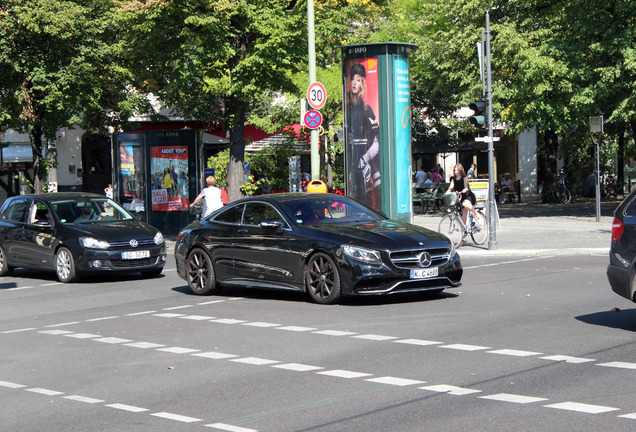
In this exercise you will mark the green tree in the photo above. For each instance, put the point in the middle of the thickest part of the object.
(59, 68)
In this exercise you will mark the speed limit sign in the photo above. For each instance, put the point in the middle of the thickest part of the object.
(316, 95)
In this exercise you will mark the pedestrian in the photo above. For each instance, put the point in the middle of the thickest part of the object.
(472, 172)
(109, 191)
(420, 176)
(436, 177)
(212, 195)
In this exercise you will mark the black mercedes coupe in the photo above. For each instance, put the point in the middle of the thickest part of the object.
(324, 244)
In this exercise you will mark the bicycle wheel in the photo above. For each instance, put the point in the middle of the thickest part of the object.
(452, 228)
(479, 229)
(563, 194)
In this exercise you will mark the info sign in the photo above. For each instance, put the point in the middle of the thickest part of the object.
(316, 95)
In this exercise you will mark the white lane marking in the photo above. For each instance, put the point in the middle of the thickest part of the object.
(43, 391)
(509, 262)
(210, 302)
(620, 365)
(102, 319)
(177, 307)
(83, 335)
(176, 417)
(450, 389)
(298, 367)
(55, 332)
(229, 428)
(260, 324)
(631, 416)
(401, 382)
(374, 337)
(215, 355)
(84, 399)
(144, 345)
(463, 347)
(417, 342)
(334, 333)
(235, 298)
(296, 328)
(178, 350)
(515, 353)
(582, 407)
(141, 313)
(12, 385)
(20, 288)
(112, 340)
(513, 398)
(197, 317)
(62, 324)
(51, 284)
(227, 321)
(168, 315)
(254, 361)
(124, 407)
(344, 373)
(567, 359)
(19, 330)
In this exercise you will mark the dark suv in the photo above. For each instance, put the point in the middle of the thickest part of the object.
(621, 270)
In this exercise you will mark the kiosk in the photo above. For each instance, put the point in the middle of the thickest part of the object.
(377, 107)
(158, 174)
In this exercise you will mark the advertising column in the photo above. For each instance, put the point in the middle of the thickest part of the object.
(376, 103)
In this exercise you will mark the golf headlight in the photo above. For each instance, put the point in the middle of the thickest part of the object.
(158, 238)
(368, 256)
(93, 243)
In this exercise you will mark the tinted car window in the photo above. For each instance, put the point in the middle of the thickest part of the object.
(16, 211)
(255, 213)
(630, 210)
(231, 215)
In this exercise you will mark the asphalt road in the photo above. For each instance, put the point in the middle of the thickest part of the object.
(527, 343)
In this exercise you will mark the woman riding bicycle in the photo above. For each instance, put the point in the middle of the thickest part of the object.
(459, 183)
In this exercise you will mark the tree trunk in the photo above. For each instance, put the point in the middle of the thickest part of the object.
(547, 159)
(620, 174)
(39, 168)
(237, 151)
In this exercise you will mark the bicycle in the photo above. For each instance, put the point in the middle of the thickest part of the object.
(561, 192)
(454, 228)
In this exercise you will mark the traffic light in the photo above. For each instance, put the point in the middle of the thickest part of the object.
(479, 118)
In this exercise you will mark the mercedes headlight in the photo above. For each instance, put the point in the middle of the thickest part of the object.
(158, 238)
(93, 243)
(365, 255)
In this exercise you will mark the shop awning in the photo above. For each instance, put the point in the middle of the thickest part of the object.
(15, 153)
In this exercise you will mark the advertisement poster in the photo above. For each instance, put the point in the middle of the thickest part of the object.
(132, 175)
(362, 132)
(169, 168)
(402, 134)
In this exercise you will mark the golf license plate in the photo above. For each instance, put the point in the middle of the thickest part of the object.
(135, 254)
(424, 273)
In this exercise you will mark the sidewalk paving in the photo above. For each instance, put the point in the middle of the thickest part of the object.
(534, 228)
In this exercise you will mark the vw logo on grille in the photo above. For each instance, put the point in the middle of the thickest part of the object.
(134, 243)
(425, 259)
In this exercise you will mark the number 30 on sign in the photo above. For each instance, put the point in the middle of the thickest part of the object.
(316, 95)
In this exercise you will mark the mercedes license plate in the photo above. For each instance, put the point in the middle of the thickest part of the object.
(424, 273)
(135, 254)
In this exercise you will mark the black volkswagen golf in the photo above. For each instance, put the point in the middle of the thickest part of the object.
(74, 234)
(324, 244)
(621, 271)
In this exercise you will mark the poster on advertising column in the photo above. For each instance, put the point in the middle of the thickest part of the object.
(363, 131)
(169, 175)
(402, 121)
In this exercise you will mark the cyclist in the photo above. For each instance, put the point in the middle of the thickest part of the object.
(459, 183)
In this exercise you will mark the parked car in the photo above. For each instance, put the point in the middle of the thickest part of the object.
(622, 255)
(74, 234)
(324, 244)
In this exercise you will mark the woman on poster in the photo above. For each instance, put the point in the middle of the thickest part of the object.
(364, 133)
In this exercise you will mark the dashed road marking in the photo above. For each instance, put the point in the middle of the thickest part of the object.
(140, 313)
(83, 335)
(254, 361)
(344, 374)
(515, 353)
(374, 337)
(19, 330)
(144, 345)
(124, 407)
(464, 347)
(260, 324)
(102, 318)
(178, 350)
(296, 328)
(215, 355)
(401, 382)
(227, 321)
(55, 332)
(581, 407)
(513, 398)
(620, 365)
(62, 324)
(176, 417)
(84, 399)
(298, 367)
(12, 385)
(46, 392)
(334, 333)
(112, 340)
(419, 342)
(567, 359)
(229, 428)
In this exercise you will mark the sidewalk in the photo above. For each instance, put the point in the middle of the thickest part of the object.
(533, 228)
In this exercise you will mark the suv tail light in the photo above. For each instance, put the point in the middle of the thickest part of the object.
(617, 229)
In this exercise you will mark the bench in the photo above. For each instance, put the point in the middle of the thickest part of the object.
(425, 195)
(441, 190)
